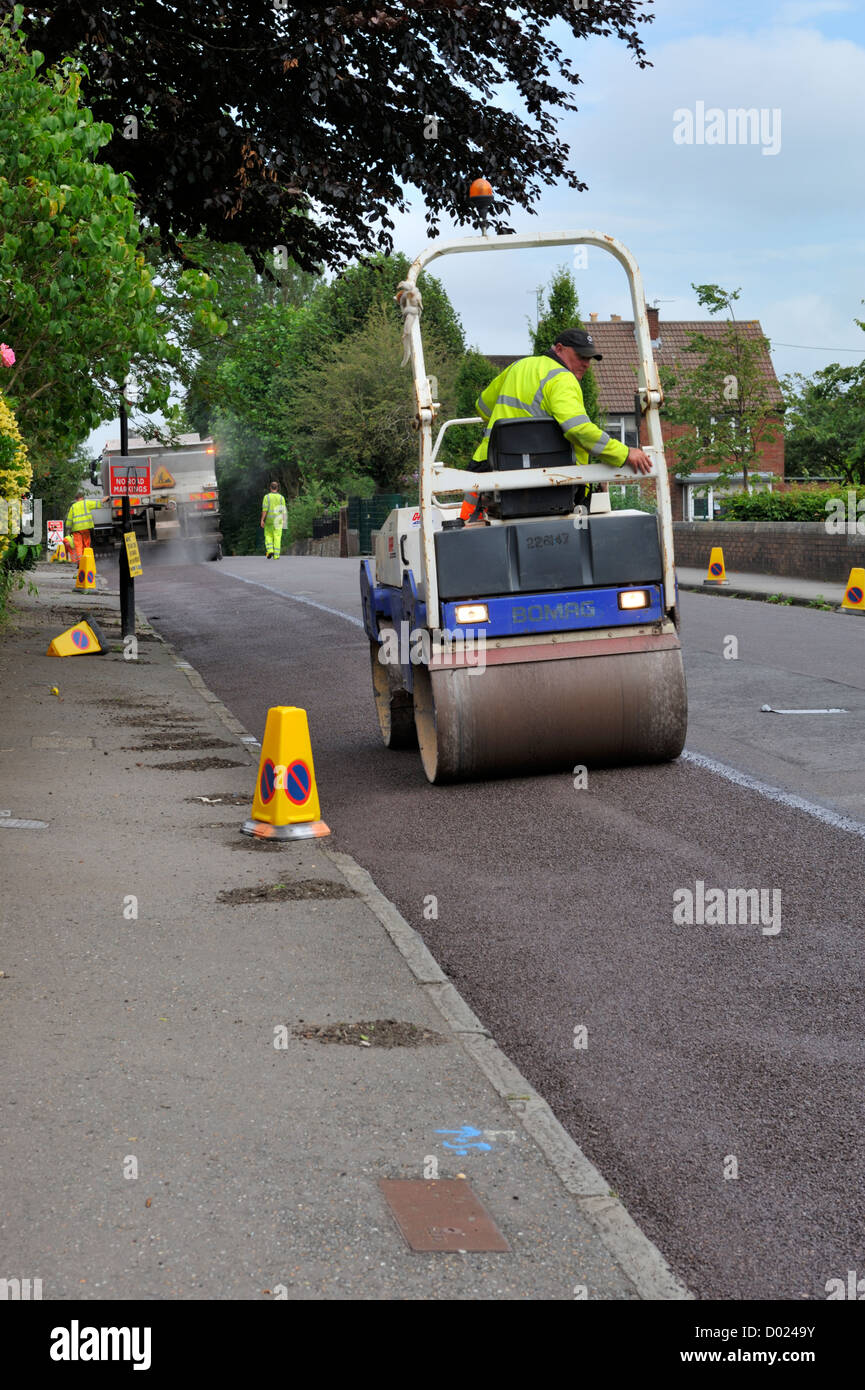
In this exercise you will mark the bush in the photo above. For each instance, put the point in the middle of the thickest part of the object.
(634, 498)
(799, 504)
(15, 477)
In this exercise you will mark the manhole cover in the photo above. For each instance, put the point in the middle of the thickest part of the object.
(441, 1214)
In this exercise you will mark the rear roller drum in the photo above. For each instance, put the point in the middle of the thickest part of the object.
(393, 703)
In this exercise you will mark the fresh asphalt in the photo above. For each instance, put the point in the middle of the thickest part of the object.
(719, 1089)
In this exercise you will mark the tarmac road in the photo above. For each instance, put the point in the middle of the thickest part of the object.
(720, 1090)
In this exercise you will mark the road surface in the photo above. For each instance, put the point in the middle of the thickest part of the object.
(720, 1085)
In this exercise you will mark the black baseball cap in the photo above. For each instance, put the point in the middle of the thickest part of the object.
(582, 342)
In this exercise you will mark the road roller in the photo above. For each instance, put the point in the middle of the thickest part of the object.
(547, 638)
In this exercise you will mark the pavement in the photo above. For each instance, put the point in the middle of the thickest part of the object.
(175, 1126)
(807, 592)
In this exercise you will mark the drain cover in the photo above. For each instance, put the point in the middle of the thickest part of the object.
(442, 1214)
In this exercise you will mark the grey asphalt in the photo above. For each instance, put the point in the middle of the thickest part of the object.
(157, 1144)
(706, 1044)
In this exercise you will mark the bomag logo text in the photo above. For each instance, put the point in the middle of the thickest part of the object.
(548, 612)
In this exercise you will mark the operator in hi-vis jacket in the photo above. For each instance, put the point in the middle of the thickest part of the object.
(548, 388)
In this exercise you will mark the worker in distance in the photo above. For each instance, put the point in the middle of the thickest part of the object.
(547, 387)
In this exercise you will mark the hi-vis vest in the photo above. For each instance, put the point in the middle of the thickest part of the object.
(273, 508)
(541, 388)
(79, 518)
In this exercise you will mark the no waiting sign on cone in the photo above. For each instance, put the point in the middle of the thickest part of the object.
(285, 804)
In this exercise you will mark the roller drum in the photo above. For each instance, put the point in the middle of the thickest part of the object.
(393, 703)
(537, 716)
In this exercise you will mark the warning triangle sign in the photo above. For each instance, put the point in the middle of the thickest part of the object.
(163, 478)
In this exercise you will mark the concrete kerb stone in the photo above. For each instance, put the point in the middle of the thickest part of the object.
(730, 591)
(638, 1258)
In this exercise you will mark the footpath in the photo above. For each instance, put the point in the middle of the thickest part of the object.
(215, 1049)
(804, 592)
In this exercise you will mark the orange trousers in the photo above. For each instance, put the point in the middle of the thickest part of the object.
(81, 539)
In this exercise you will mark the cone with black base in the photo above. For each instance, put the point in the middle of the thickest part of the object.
(84, 639)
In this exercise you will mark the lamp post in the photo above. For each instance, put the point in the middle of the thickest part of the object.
(127, 583)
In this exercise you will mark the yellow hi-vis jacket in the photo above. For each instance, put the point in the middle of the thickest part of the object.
(542, 388)
(273, 509)
(79, 518)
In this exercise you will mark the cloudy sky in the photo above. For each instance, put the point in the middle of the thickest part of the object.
(787, 228)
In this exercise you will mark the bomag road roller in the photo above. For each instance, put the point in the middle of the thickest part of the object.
(547, 638)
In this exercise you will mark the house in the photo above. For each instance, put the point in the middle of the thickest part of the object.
(695, 498)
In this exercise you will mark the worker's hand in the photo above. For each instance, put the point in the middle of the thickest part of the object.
(639, 461)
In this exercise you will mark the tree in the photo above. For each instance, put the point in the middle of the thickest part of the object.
(723, 394)
(823, 423)
(354, 414)
(475, 373)
(563, 311)
(252, 404)
(241, 295)
(237, 120)
(79, 306)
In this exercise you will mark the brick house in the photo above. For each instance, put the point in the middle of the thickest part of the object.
(695, 498)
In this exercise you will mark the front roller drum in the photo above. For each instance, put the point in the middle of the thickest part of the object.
(539, 716)
(393, 703)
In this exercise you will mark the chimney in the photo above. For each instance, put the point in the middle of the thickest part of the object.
(654, 330)
(615, 318)
(593, 317)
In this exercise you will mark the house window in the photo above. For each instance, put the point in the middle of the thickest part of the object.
(623, 428)
(701, 503)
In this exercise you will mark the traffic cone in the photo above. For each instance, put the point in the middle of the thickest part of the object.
(84, 639)
(854, 594)
(86, 577)
(716, 573)
(285, 805)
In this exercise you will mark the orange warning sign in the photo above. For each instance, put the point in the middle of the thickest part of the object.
(162, 478)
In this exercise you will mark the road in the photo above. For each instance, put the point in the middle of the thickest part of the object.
(720, 1088)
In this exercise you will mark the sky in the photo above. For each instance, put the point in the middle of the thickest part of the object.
(786, 227)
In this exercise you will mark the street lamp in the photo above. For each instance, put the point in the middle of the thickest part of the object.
(129, 396)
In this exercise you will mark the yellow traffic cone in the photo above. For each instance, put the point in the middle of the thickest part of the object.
(716, 573)
(285, 805)
(86, 577)
(854, 594)
(84, 639)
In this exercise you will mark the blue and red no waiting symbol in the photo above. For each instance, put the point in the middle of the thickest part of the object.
(296, 781)
(854, 595)
(716, 568)
(81, 639)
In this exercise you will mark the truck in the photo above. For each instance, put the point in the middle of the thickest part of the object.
(182, 504)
